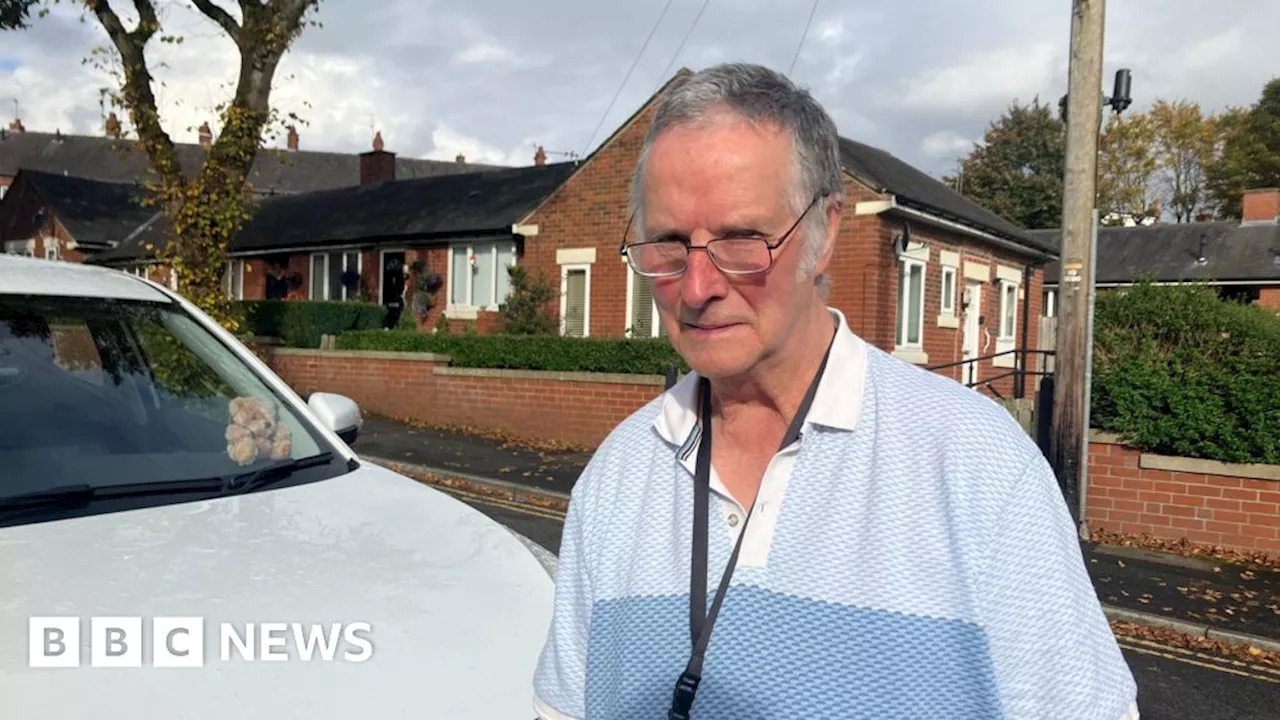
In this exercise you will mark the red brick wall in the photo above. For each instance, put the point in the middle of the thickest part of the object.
(437, 260)
(590, 211)
(1231, 512)
(545, 406)
(1260, 205)
(1269, 298)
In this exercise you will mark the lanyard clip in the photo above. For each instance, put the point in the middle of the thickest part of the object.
(682, 698)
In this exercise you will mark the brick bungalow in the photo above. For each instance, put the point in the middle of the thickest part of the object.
(73, 219)
(962, 287)
(1241, 258)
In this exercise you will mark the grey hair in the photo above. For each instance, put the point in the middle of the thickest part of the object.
(763, 97)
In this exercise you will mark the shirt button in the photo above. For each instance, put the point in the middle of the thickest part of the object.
(733, 521)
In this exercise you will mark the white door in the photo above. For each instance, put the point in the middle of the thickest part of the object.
(972, 331)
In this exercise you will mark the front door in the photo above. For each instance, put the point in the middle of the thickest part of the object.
(972, 331)
(393, 285)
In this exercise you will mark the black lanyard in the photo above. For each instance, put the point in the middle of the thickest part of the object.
(701, 621)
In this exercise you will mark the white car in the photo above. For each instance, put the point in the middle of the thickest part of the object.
(154, 472)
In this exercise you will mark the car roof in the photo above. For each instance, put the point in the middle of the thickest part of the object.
(21, 275)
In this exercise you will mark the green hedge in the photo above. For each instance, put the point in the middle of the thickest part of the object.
(300, 323)
(1179, 371)
(527, 352)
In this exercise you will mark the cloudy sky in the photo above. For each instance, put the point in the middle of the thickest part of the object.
(494, 78)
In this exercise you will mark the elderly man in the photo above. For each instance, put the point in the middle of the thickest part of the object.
(804, 526)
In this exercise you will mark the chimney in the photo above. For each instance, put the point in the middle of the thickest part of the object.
(16, 126)
(1261, 205)
(293, 138)
(206, 135)
(113, 125)
(540, 157)
(461, 159)
(377, 165)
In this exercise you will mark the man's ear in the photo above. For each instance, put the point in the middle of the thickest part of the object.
(834, 207)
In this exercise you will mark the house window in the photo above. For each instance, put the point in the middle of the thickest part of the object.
(233, 279)
(1050, 303)
(948, 290)
(478, 277)
(1008, 310)
(336, 275)
(1007, 330)
(50, 250)
(910, 303)
(642, 311)
(575, 300)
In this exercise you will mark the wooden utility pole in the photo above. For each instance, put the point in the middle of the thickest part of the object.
(1068, 447)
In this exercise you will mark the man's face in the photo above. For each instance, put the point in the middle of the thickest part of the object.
(726, 179)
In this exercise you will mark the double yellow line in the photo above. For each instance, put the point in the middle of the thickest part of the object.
(500, 503)
(1211, 662)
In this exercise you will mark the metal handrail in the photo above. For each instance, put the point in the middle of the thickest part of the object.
(1019, 372)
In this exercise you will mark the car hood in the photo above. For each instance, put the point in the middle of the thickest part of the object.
(458, 606)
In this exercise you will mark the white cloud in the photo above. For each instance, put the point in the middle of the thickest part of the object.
(980, 81)
(945, 145)
(831, 32)
(449, 143)
(483, 52)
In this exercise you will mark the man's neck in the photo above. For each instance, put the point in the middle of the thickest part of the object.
(777, 386)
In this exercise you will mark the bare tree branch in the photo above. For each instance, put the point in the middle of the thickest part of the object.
(220, 16)
(139, 98)
(148, 22)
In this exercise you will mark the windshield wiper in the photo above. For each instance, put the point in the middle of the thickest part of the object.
(258, 479)
(79, 495)
(83, 493)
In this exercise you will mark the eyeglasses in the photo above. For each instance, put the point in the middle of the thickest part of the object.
(732, 255)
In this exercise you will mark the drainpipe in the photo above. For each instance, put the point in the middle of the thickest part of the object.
(1020, 380)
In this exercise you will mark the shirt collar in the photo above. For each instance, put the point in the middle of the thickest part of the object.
(837, 403)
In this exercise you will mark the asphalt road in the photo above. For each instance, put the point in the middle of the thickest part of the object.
(1173, 684)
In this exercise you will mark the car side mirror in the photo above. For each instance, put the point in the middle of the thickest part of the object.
(339, 413)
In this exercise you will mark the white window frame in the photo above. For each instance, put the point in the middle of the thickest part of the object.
(233, 278)
(50, 248)
(24, 248)
(311, 269)
(631, 310)
(469, 309)
(1005, 343)
(1050, 307)
(948, 303)
(911, 351)
(565, 269)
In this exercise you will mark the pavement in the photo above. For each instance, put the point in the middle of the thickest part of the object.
(526, 487)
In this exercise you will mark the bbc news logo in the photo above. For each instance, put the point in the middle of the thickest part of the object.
(179, 642)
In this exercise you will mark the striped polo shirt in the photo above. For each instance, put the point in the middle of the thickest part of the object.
(911, 556)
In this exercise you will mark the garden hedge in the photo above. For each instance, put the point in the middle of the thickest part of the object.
(1179, 371)
(301, 323)
(527, 352)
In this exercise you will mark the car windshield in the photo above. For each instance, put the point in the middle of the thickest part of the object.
(106, 393)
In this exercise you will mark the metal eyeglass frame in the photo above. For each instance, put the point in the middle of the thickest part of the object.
(624, 247)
